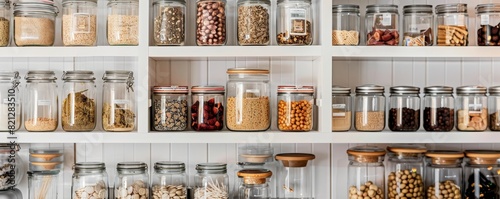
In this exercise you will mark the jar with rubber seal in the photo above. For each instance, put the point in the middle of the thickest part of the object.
(481, 174)
(366, 172)
(406, 171)
(41, 102)
(118, 101)
(295, 108)
(79, 106)
(404, 108)
(443, 174)
(472, 108)
(295, 175)
(439, 108)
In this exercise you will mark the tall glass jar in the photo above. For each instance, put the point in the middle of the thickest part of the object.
(132, 180)
(79, 22)
(404, 108)
(382, 25)
(248, 105)
(439, 109)
(79, 108)
(123, 23)
(494, 108)
(481, 174)
(40, 104)
(346, 24)
(452, 21)
(418, 25)
(443, 174)
(254, 184)
(211, 181)
(90, 180)
(170, 109)
(257, 157)
(406, 170)
(341, 108)
(294, 22)
(10, 116)
(169, 180)
(369, 105)
(488, 24)
(254, 21)
(366, 172)
(211, 22)
(118, 98)
(295, 175)
(169, 23)
(207, 110)
(295, 108)
(472, 108)
(34, 23)
(12, 166)
(43, 184)
(5, 18)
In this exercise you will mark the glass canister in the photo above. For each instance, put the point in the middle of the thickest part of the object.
(211, 181)
(382, 25)
(341, 108)
(34, 23)
(404, 108)
(488, 24)
(12, 166)
(123, 23)
(90, 180)
(295, 108)
(254, 20)
(211, 22)
(346, 24)
(481, 174)
(494, 108)
(132, 180)
(248, 105)
(5, 18)
(443, 174)
(370, 108)
(452, 21)
(79, 108)
(169, 23)
(254, 184)
(418, 23)
(472, 108)
(366, 172)
(207, 110)
(405, 167)
(79, 22)
(40, 104)
(169, 180)
(256, 157)
(10, 116)
(118, 98)
(43, 184)
(295, 175)
(294, 22)
(170, 109)
(439, 109)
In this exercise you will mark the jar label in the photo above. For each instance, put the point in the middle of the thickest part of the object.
(298, 21)
(81, 23)
(339, 110)
(384, 21)
(475, 108)
(485, 20)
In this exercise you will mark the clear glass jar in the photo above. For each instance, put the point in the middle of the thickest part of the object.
(254, 20)
(90, 180)
(248, 101)
(369, 105)
(40, 104)
(118, 98)
(341, 108)
(169, 23)
(34, 23)
(452, 21)
(132, 180)
(418, 23)
(170, 109)
(406, 171)
(346, 25)
(294, 22)
(382, 25)
(443, 174)
(481, 174)
(169, 180)
(404, 108)
(366, 172)
(10, 116)
(254, 184)
(207, 110)
(295, 108)
(211, 22)
(472, 108)
(79, 22)
(211, 181)
(43, 184)
(12, 166)
(494, 108)
(5, 18)
(488, 24)
(79, 108)
(123, 23)
(256, 157)
(295, 175)
(439, 109)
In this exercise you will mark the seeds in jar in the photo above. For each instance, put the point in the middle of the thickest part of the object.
(445, 190)
(438, 119)
(78, 112)
(212, 190)
(452, 35)
(488, 35)
(169, 26)
(494, 122)
(5, 175)
(170, 115)
(123, 29)
(382, 37)
(424, 38)
(345, 37)
(137, 190)
(341, 121)
(97, 191)
(253, 114)
(79, 29)
(288, 38)
(208, 117)
(210, 23)
(472, 121)
(253, 25)
(405, 184)
(169, 191)
(404, 119)
(294, 115)
(40, 124)
(4, 31)
(369, 121)
(368, 190)
(33, 31)
(118, 118)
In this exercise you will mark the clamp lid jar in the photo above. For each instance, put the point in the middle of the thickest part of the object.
(42, 13)
(452, 21)
(170, 108)
(382, 25)
(11, 98)
(169, 180)
(439, 108)
(207, 110)
(89, 179)
(295, 175)
(481, 174)
(443, 174)
(132, 178)
(41, 101)
(405, 167)
(118, 98)
(404, 108)
(369, 104)
(472, 108)
(346, 24)
(295, 108)
(79, 108)
(366, 172)
(418, 25)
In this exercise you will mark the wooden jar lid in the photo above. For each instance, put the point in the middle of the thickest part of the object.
(295, 159)
(407, 149)
(444, 157)
(482, 156)
(254, 176)
(366, 154)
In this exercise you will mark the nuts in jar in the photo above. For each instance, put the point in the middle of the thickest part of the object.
(469, 121)
(137, 190)
(169, 191)
(97, 191)
(169, 23)
(487, 35)
(285, 38)
(211, 22)
(405, 183)
(295, 108)
(253, 23)
(169, 110)
(445, 190)
(368, 190)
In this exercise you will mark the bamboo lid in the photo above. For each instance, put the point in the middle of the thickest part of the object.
(407, 149)
(295, 159)
(482, 156)
(444, 157)
(257, 176)
(366, 154)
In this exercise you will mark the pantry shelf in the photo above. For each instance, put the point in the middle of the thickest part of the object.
(353, 52)
(60, 51)
(416, 137)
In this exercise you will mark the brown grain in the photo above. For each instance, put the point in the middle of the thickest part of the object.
(34, 31)
(123, 30)
(254, 114)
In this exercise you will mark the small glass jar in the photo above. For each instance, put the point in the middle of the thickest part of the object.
(118, 98)
(295, 175)
(439, 109)
(132, 180)
(404, 108)
(90, 180)
(248, 101)
(10, 115)
(254, 184)
(5, 18)
(211, 22)
(443, 174)
(34, 23)
(294, 22)
(341, 108)
(472, 108)
(382, 25)
(207, 110)
(256, 157)
(494, 108)
(169, 23)
(406, 170)
(40, 104)
(481, 174)
(366, 172)
(452, 21)
(254, 21)
(79, 22)
(418, 23)
(370, 108)
(211, 181)
(12, 166)
(43, 184)
(79, 107)
(169, 180)
(346, 24)
(123, 23)
(295, 108)
(488, 24)
(170, 109)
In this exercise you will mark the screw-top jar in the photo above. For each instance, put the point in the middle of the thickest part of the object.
(295, 175)
(452, 21)
(207, 111)
(382, 25)
(169, 22)
(488, 24)
(123, 23)
(341, 108)
(211, 181)
(443, 174)
(5, 19)
(211, 22)
(79, 108)
(254, 21)
(404, 108)
(366, 172)
(254, 184)
(472, 108)
(439, 109)
(11, 101)
(346, 24)
(294, 24)
(369, 105)
(90, 180)
(494, 108)
(481, 174)
(418, 25)
(295, 108)
(405, 169)
(169, 180)
(170, 111)
(79, 22)
(132, 180)
(40, 104)
(11, 164)
(34, 23)
(118, 98)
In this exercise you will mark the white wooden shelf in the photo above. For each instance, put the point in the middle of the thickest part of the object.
(70, 51)
(414, 52)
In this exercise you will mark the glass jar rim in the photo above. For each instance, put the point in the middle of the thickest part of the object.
(183, 2)
(296, 90)
(268, 2)
(78, 1)
(223, 1)
(170, 90)
(369, 88)
(382, 8)
(46, 7)
(46, 151)
(5, 3)
(293, 1)
(405, 90)
(9, 76)
(41, 75)
(488, 8)
(494, 90)
(345, 8)
(215, 168)
(471, 90)
(418, 8)
(438, 90)
(125, 166)
(451, 8)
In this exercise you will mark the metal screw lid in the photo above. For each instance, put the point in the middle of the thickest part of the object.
(340, 90)
(294, 1)
(471, 90)
(169, 1)
(405, 90)
(89, 166)
(78, 1)
(382, 8)
(369, 88)
(268, 2)
(132, 166)
(345, 8)
(171, 89)
(296, 89)
(487, 8)
(438, 90)
(494, 90)
(169, 167)
(426, 9)
(78, 75)
(451, 8)
(40, 75)
(212, 168)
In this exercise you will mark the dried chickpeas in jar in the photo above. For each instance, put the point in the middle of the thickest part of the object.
(295, 108)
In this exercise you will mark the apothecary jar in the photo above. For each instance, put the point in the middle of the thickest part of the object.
(79, 105)
(90, 180)
(452, 25)
(254, 22)
(40, 104)
(35, 23)
(10, 116)
(418, 25)
(382, 25)
(118, 101)
(346, 25)
(443, 174)
(132, 180)
(366, 172)
(341, 108)
(488, 24)
(169, 180)
(295, 175)
(481, 174)
(211, 20)
(211, 181)
(405, 169)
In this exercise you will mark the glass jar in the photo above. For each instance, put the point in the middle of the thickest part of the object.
(34, 23)
(132, 180)
(382, 25)
(256, 157)
(418, 23)
(207, 111)
(169, 180)
(488, 24)
(404, 108)
(79, 108)
(211, 22)
(405, 167)
(472, 108)
(295, 108)
(254, 20)
(118, 98)
(248, 105)
(10, 116)
(169, 23)
(494, 108)
(211, 181)
(5, 18)
(79, 22)
(90, 180)
(295, 175)
(439, 109)
(346, 24)
(12, 166)
(254, 184)
(40, 104)
(43, 184)
(294, 22)
(443, 174)
(481, 174)
(341, 108)
(370, 108)
(452, 21)
(170, 111)
(366, 172)
(123, 23)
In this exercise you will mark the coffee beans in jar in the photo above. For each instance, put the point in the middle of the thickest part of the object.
(170, 108)
(169, 22)
(207, 111)
(404, 112)
(211, 22)
(253, 22)
(439, 111)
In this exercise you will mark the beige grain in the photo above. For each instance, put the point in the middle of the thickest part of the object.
(123, 30)
(79, 30)
(33, 31)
